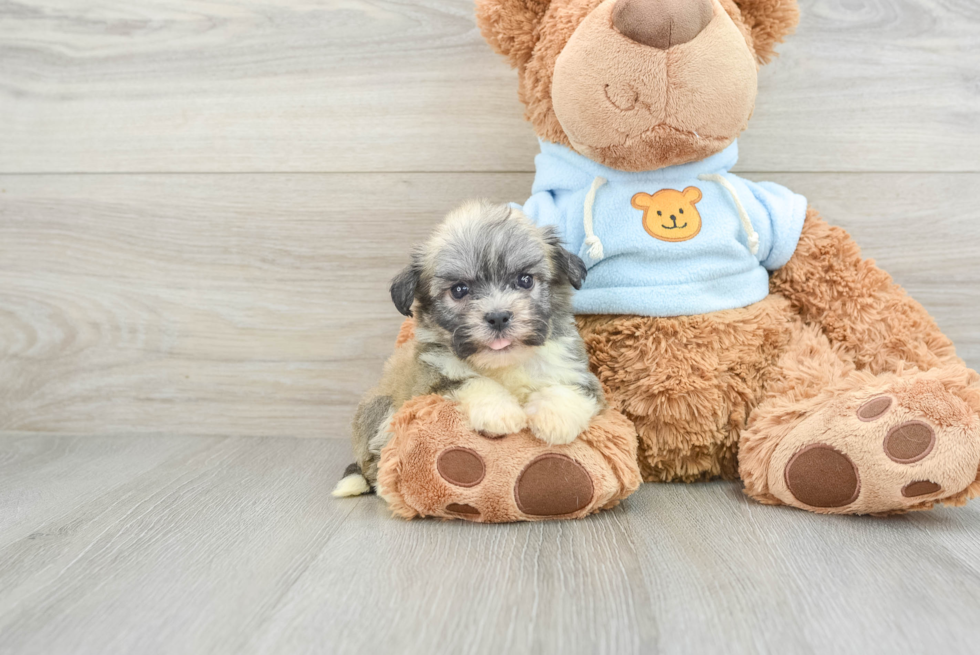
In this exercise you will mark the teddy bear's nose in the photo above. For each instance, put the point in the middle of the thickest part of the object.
(661, 23)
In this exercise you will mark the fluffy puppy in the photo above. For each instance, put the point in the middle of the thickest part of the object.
(491, 296)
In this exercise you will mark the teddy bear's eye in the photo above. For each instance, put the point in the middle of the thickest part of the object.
(659, 213)
(681, 210)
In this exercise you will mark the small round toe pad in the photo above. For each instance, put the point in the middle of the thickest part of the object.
(462, 467)
(874, 408)
(460, 508)
(920, 488)
(909, 442)
(820, 476)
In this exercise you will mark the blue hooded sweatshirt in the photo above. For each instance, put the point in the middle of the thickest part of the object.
(682, 240)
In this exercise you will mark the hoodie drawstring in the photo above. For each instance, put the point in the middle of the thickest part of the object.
(742, 214)
(591, 240)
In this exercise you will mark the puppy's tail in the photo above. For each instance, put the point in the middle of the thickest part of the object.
(352, 484)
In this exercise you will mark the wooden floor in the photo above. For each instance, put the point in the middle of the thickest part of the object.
(201, 203)
(155, 544)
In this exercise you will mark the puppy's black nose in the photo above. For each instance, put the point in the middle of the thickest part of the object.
(498, 320)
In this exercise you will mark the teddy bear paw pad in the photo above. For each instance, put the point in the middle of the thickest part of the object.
(821, 476)
(467, 511)
(462, 467)
(436, 466)
(909, 442)
(920, 488)
(553, 485)
(901, 450)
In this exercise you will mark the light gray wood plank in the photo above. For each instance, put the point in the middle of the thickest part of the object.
(454, 587)
(741, 577)
(190, 556)
(46, 479)
(258, 304)
(233, 546)
(219, 304)
(359, 85)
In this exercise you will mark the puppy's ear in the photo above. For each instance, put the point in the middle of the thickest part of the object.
(573, 268)
(403, 288)
(569, 266)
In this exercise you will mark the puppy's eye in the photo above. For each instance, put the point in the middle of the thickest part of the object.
(525, 281)
(459, 290)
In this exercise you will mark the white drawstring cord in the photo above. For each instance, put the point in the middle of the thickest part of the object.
(742, 214)
(591, 240)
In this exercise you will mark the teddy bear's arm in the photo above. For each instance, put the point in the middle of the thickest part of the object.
(857, 304)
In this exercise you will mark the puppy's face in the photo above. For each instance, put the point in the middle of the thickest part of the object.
(489, 284)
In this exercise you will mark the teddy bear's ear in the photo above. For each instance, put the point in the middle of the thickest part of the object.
(769, 22)
(509, 26)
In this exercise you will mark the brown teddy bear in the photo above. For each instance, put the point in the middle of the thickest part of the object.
(744, 337)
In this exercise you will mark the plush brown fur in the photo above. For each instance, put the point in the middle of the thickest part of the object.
(745, 392)
(409, 481)
(688, 383)
(532, 35)
(835, 331)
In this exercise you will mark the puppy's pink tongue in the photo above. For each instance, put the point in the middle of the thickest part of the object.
(499, 344)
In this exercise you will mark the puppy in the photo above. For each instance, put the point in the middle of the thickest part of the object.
(491, 296)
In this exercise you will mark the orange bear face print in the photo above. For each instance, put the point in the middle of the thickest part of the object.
(670, 215)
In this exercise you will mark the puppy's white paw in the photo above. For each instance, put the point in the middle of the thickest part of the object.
(490, 408)
(559, 414)
(497, 418)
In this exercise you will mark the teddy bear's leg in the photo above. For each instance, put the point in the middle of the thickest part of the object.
(435, 465)
(688, 383)
(833, 438)
(858, 306)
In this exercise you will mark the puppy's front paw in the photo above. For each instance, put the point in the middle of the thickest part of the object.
(558, 414)
(490, 408)
(496, 416)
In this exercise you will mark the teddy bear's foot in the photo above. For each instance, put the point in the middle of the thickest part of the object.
(435, 465)
(890, 447)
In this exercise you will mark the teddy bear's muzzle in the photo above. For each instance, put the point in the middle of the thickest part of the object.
(668, 106)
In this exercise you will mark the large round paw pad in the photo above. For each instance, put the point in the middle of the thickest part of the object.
(920, 488)
(909, 442)
(553, 485)
(465, 510)
(874, 408)
(820, 476)
(461, 467)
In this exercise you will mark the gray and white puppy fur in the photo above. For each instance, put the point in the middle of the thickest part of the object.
(494, 331)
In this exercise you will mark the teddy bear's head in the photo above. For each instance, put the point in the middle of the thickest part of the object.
(638, 84)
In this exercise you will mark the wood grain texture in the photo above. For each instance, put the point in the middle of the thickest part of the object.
(258, 304)
(383, 85)
(231, 545)
(157, 321)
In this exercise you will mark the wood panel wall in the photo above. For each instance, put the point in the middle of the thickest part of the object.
(201, 202)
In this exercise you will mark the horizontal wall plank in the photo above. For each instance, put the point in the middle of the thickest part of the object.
(258, 304)
(380, 85)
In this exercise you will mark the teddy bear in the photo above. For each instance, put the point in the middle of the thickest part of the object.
(736, 333)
